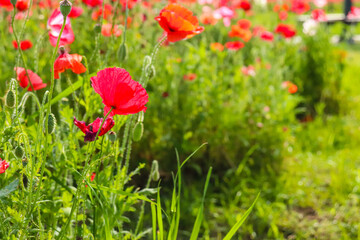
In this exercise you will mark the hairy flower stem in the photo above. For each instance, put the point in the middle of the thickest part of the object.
(20, 52)
(33, 204)
(79, 191)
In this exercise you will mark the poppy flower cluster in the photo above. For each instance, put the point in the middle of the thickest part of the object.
(3, 166)
(24, 45)
(178, 22)
(190, 77)
(35, 80)
(54, 24)
(241, 30)
(291, 87)
(319, 15)
(285, 30)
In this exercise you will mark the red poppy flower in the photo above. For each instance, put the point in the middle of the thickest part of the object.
(3, 165)
(92, 3)
(267, 36)
(75, 12)
(319, 15)
(300, 6)
(190, 77)
(165, 94)
(234, 45)
(54, 24)
(106, 30)
(92, 129)
(285, 30)
(6, 4)
(217, 46)
(245, 5)
(119, 91)
(283, 15)
(93, 175)
(24, 45)
(178, 22)
(24, 81)
(292, 88)
(68, 61)
(107, 13)
(237, 31)
(244, 23)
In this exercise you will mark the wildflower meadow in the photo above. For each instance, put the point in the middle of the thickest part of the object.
(179, 119)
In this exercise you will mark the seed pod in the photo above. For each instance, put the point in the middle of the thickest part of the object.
(155, 175)
(51, 123)
(122, 52)
(97, 28)
(10, 99)
(19, 152)
(112, 136)
(13, 2)
(138, 131)
(65, 8)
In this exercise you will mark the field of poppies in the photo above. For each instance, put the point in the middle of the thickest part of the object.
(188, 119)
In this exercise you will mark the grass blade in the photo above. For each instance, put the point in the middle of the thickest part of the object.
(200, 215)
(159, 217)
(153, 215)
(237, 225)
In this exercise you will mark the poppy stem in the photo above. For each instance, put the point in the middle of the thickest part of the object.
(20, 51)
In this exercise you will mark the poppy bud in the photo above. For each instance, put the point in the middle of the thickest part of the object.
(13, 2)
(97, 28)
(10, 99)
(112, 136)
(19, 152)
(138, 131)
(122, 52)
(65, 8)
(51, 123)
(150, 71)
(155, 175)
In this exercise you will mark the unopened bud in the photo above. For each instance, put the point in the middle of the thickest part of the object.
(97, 28)
(65, 8)
(155, 175)
(10, 99)
(122, 52)
(51, 123)
(19, 152)
(112, 136)
(138, 131)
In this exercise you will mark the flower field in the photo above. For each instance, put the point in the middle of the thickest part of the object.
(208, 119)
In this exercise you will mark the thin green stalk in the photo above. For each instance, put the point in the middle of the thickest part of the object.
(20, 51)
(83, 174)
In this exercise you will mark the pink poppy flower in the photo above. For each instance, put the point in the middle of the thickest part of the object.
(224, 13)
(54, 24)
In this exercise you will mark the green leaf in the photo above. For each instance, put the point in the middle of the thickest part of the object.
(9, 188)
(237, 225)
(200, 215)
